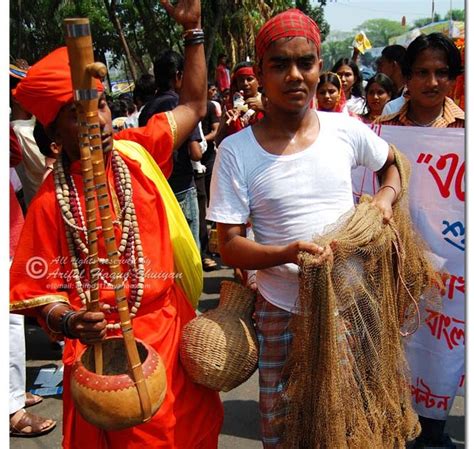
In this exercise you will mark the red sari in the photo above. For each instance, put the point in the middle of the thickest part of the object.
(191, 415)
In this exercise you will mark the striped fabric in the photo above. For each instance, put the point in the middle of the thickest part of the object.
(453, 116)
(274, 340)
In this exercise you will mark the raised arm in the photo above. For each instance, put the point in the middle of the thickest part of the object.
(193, 93)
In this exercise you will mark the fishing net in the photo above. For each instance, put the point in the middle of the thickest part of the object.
(348, 383)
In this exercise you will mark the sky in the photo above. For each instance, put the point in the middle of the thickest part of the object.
(345, 15)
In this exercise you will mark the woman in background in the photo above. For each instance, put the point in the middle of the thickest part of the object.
(329, 93)
(380, 90)
(351, 81)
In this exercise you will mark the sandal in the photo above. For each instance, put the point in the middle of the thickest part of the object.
(209, 264)
(29, 425)
(32, 399)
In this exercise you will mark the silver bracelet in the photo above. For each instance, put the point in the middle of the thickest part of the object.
(48, 315)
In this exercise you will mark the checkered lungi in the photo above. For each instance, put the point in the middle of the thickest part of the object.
(274, 340)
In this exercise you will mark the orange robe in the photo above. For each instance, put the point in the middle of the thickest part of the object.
(191, 415)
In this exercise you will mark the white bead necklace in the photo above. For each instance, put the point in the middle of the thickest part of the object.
(130, 244)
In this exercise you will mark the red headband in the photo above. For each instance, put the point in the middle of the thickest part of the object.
(246, 71)
(291, 23)
(47, 87)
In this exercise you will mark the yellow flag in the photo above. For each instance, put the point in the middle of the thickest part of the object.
(361, 42)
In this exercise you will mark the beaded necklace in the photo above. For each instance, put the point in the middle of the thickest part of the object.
(130, 246)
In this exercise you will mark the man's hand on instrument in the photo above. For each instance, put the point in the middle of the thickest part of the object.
(88, 327)
(186, 12)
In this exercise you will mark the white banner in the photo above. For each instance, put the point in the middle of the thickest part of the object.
(437, 193)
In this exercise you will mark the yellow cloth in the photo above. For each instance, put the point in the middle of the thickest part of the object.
(187, 259)
(361, 42)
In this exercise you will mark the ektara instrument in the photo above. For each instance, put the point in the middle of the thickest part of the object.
(121, 382)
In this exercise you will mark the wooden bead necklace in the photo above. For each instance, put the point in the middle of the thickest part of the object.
(130, 246)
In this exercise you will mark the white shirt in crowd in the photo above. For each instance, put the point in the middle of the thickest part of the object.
(356, 105)
(33, 165)
(291, 197)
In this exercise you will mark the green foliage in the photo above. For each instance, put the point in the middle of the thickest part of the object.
(232, 25)
(457, 14)
(379, 31)
(138, 30)
(332, 51)
(427, 20)
(36, 26)
(317, 14)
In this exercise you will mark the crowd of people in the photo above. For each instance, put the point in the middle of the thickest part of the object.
(246, 153)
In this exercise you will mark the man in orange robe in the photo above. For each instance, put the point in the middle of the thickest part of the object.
(41, 278)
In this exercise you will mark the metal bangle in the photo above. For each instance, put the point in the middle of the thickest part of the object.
(389, 187)
(65, 324)
(193, 41)
(49, 314)
(193, 33)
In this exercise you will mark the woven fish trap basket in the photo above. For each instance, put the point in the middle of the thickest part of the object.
(110, 401)
(219, 349)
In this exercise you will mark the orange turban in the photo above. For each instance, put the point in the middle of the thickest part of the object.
(291, 23)
(47, 87)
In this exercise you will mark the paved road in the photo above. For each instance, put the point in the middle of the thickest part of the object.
(240, 429)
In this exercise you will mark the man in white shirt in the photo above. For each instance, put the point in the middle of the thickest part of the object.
(290, 175)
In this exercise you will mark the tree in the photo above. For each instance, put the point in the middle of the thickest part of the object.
(36, 26)
(140, 29)
(426, 21)
(232, 25)
(456, 14)
(316, 13)
(111, 7)
(379, 31)
(331, 52)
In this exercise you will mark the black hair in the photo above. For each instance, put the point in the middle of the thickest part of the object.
(357, 89)
(436, 41)
(165, 68)
(385, 82)
(42, 140)
(131, 107)
(125, 96)
(119, 108)
(239, 65)
(329, 77)
(14, 82)
(395, 53)
(144, 88)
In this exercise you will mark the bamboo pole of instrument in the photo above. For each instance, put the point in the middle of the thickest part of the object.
(83, 70)
(91, 220)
